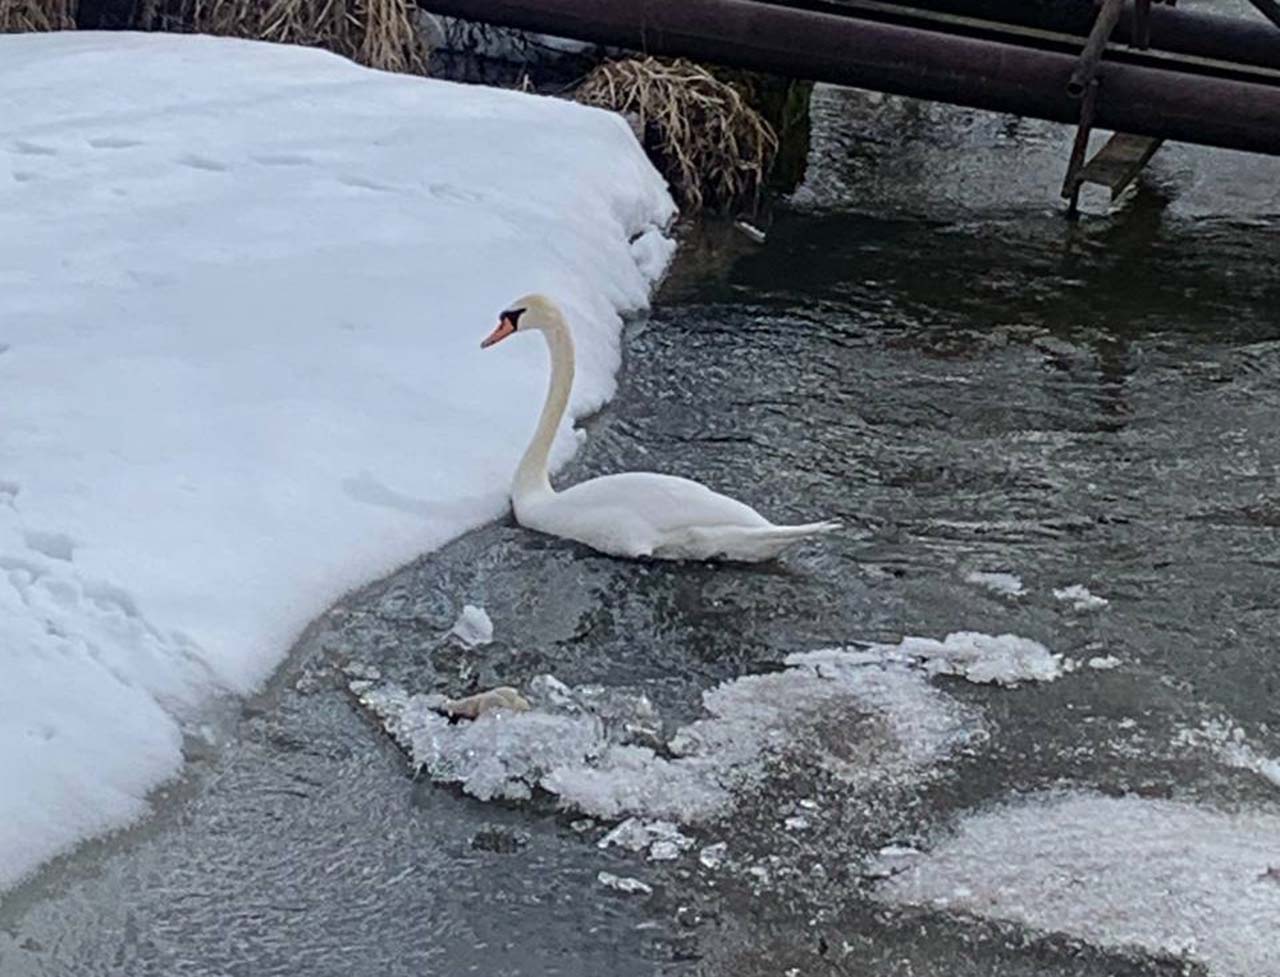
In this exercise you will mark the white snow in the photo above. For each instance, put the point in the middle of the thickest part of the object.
(242, 288)
(1164, 876)
(1080, 598)
(473, 627)
(1005, 584)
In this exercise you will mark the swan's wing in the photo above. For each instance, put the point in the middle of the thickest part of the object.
(665, 503)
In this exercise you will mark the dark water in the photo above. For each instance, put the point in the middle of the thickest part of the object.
(924, 348)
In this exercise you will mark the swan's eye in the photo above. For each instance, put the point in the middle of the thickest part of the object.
(513, 317)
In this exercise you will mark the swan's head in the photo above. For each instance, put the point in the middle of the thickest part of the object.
(525, 314)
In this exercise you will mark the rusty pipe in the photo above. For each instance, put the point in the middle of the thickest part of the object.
(926, 64)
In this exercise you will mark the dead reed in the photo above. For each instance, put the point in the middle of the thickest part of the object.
(20, 16)
(714, 149)
(378, 33)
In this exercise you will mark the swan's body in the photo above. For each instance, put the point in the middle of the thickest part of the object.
(634, 514)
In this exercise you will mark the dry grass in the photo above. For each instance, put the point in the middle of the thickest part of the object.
(20, 16)
(378, 33)
(712, 146)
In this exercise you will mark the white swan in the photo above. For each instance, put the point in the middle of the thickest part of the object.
(634, 514)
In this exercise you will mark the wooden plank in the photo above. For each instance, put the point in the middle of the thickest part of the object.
(1117, 163)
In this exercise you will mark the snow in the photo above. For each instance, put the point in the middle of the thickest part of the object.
(242, 288)
(1005, 584)
(1080, 598)
(602, 753)
(1103, 663)
(1165, 876)
(473, 627)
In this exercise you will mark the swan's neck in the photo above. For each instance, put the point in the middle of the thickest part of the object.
(531, 477)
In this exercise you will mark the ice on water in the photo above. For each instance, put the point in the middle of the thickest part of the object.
(473, 627)
(602, 752)
(1002, 659)
(1164, 876)
(1000, 582)
(1080, 598)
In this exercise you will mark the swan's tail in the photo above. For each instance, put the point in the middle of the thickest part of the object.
(768, 541)
(806, 529)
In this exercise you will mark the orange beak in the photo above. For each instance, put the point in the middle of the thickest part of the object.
(505, 328)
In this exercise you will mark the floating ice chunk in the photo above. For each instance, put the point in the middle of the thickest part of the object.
(1230, 744)
(1104, 663)
(712, 856)
(1080, 598)
(473, 627)
(625, 779)
(1165, 876)
(664, 851)
(1003, 659)
(630, 834)
(890, 860)
(623, 883)
(1006, 584)
(663, 839)
(796, 823)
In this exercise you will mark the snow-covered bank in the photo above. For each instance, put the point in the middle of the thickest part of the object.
(242, 289)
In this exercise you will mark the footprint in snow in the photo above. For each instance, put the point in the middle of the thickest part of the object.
(56, 546)
(283, 159)
(114, 142)
(32, 148)
(361, 183)
(203, 163)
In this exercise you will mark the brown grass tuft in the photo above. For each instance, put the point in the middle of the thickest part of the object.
(712, 146)
(20, 16)
(378, 33)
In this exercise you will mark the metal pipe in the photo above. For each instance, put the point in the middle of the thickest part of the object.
(1087, 66)
(904, 61)
(1177, 31)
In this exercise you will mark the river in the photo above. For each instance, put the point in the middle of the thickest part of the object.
(922, 347)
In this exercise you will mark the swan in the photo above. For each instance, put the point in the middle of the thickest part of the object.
(632, 514)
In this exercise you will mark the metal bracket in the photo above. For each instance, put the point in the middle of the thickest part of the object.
(1071, 184)
(1086, 68)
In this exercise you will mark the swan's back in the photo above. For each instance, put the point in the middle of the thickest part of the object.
(666, 503)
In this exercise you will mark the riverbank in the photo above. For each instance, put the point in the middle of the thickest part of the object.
(244, 289)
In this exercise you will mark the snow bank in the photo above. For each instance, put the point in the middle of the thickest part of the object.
(1163, 876)
(242, 289)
